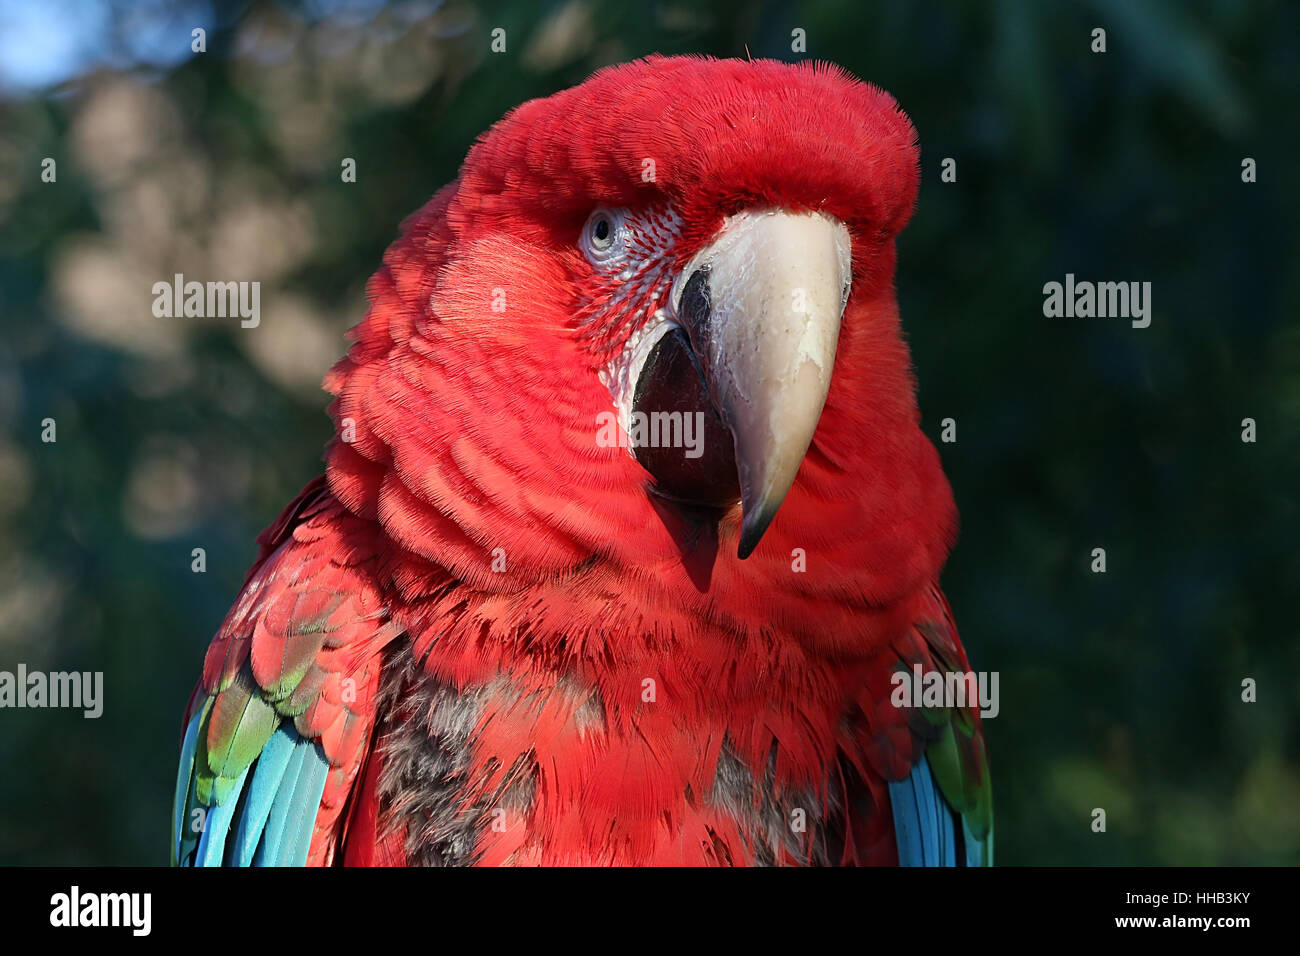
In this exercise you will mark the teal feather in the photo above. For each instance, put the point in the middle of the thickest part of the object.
(287, 835)
(307, 794)
(268, 814)
(183, 790)
(268, 849)
(923, 821)
(269, 772)
(216, 827)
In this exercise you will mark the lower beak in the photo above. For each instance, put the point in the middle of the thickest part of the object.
(761, 306)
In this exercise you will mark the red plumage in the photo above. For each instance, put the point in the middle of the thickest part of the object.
(467, 511)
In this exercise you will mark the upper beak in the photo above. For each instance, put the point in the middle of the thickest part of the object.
(761, 306)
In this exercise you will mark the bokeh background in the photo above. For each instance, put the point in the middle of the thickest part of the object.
(1119, 690)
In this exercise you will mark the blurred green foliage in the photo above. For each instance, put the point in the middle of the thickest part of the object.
(1120, 691)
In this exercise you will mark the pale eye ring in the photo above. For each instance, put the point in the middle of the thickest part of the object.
(602, 236)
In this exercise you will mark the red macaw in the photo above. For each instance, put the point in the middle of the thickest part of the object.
(628, 524)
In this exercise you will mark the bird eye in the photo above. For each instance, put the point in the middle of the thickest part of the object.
(601, 236)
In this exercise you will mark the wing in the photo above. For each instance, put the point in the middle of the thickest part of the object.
(931, 756)
(943, 808)
(280, 726)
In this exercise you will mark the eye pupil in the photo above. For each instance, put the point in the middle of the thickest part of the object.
(601, 236)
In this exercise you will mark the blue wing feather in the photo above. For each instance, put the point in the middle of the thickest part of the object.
(296, 802)
(311, 784)
(183, 780)
(216, 826)
(269, 848)
(923, 821)
(268, 816)
(269, 773)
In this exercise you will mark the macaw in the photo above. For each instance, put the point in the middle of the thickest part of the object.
(628, 532)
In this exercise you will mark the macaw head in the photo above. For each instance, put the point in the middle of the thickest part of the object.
(654, 314)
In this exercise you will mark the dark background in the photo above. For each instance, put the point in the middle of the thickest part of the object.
(1119, 690)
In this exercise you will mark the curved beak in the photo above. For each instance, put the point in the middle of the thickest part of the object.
(761, 306)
